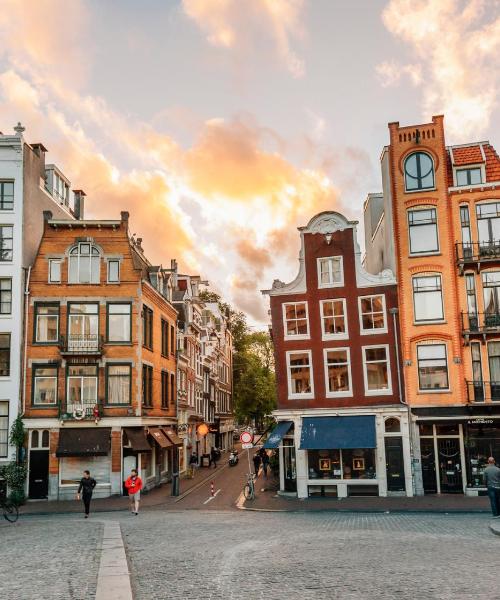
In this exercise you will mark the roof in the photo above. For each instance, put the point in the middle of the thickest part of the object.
(475, 153)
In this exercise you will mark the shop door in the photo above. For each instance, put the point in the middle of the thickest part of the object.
(395, 464)
(289, 467)
(39, 474)
(450, 465)
(428, 465)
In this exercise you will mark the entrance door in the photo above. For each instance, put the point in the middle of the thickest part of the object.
(39, 474)
(428, 465)
(450, 465)
(289, 466)
(395, 464)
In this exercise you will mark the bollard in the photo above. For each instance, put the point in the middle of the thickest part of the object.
(212, 489)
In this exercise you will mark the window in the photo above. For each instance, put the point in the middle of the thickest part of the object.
(164, 337)
(84, 264)
(427, 298)
(82, 388)
(477, 372)
(113, 271)
(6, 195)
(4, 429)
(470, 290)
(46, 323)
(300, 382)
(164, 389)
(6, 239)
(372, 314)
(172, 388)
(296, 320)
(469, 176)
(488, 226)
(422, 225)
(54, 271)
(5, 296)
(172, 339)
(491, 296)
(147, 327)
(71, 468)
(494, 366)
(333, 319)
(119, 322)
(338, 372)
(358, 463)
(147, 385)
(377, 370)
(118, 385)
(432, 367)
(466, 235)
(44, 385)
(4, 354)
(419, 172)
(392, 425)
(330, 272)
(83, 326)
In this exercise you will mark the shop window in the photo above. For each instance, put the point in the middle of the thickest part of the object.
(392, 425)
(432, 367)
(358, 463)
(372, 314)
(71, 468)
(425, 429)
(482, 440)
(419, 172)
(295, 319)
(333, 319)
(300, 382)
(423, 231)
(330, 271)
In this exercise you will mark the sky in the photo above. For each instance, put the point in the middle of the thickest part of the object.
(223, 125)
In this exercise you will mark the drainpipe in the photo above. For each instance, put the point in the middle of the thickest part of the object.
(26, 305)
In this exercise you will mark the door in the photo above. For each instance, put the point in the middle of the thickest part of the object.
(289, 466)
(395, 464)
(450, 465)
(428, 465)
(39, 474)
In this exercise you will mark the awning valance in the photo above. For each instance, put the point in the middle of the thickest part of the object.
(137, 438)
(84, 441)
(276, 435)
(323, 433)
(173, 437)
(159, 437)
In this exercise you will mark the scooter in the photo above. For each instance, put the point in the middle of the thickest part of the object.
(233, 458)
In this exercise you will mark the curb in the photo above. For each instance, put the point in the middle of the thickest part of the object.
(495, 529)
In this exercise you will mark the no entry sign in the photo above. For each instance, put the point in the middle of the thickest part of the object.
(246, 437)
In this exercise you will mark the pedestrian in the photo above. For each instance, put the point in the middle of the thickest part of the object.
(193, 463)
(134, 487)
(256, 463)
(265, 463)
(213, 457)
(492, 480)
(86, 487)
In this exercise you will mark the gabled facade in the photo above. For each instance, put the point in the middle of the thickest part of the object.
(342, 427)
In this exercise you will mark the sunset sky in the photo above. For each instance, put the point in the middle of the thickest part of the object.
(222, 125)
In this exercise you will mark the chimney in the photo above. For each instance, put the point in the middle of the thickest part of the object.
(47, 216)
(40, 150)
(173, 268)
(124, 216)
(138, 243)
(79, 204)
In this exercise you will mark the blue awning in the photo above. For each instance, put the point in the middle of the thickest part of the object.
(274, 439)
(323, 433)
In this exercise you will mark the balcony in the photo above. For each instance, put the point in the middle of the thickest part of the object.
(483, 391)
(87, 410)
(480, 324)
(476, 253)
(78, 344)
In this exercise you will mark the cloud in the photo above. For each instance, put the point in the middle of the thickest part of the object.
(456, 47)
(244, 25)
(391, 72)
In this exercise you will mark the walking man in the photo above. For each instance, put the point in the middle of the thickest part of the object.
(256, 464)
(265, 463)
(86, 487)
(193, 463)
(213, 457)
(492, 481)
(134, 487)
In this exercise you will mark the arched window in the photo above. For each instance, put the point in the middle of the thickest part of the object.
(34, 439)
(419, 172)
(84, 264)
(392, 425)
(45, 438)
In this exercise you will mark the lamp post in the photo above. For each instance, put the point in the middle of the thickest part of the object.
(175, 471)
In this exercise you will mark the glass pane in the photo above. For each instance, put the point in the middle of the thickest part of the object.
(462, 177)
(423, 238)
(73, 269)
(113, 270)
(475, 176)
(34, 439)
(431, 351)
(45, 389)
(377, 376)
(392, 425)
(55, 271)
(428, 306)
(290, 311)
(373, 354)
(84, 270)
(45, 438)
(89, 389)
(119, 328)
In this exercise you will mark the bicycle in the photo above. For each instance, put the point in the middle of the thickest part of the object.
(10, 510)
(249, 487)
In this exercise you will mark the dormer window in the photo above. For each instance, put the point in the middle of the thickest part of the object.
(471, 176)
(84, 264)
(419, 172)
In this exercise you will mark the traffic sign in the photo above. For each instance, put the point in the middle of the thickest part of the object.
(246, 437)
(247, 446)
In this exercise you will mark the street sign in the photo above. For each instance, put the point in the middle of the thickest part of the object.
(246, 437)
(247, 446)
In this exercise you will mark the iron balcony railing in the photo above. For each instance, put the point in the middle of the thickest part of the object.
(483, 391)
(84, 343)
(475, 252)
(480, 323)
(80, 411)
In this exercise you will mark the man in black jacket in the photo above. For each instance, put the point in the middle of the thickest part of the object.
(86, 487)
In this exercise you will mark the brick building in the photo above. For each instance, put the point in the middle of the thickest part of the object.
(436, 224)
(342, 428)
(100, 364)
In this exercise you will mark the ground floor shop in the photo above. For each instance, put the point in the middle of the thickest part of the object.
(452, 448)
(343, 453)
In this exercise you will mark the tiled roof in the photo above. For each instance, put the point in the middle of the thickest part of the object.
(492, 163)
(467, 155)
(470, 155)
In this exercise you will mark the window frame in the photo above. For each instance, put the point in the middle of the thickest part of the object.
(34, 368)
(79, 254)
(2, 194)
(114, 342)
(68, 377)
(9, 334)
(379, 392)
(467, 169)
(165, 389)
(11, 250)
(342, 394)
(6, 291)
(417, 153)
(149, 369)
(375, 331)
(299, 336)
(147, 343)
(165, 337)
(52, 261)
(333, 336)
(433, 390)
(107, 377)
(69, 314)
(416, 209)
(109, 262)
(6, 417)
(306, 395)
(441, 319)
(35, 323)
(318, 272)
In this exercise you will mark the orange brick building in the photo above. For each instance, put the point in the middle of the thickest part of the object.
(436, 224)
(100, 364)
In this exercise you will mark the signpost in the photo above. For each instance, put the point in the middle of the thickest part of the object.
(246, 439)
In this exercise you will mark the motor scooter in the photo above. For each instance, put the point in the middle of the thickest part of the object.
(233, 458)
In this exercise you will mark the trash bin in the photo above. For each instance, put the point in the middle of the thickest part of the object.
(205, 460)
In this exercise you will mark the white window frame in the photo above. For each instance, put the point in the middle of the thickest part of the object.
(306, 395)
(300, 336)
(341, 394)
(78, 256)
(424, 321)
(426, 252)
(382, 392)
(108, 262)
(53, 261)
(318, 272)
(360, 316)
(433, 390)
(333, 336)
(479, 166)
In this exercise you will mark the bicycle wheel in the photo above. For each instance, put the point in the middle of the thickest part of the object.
(248, 491)
(10, 512)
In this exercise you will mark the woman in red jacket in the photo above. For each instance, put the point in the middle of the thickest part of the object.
(134, 487)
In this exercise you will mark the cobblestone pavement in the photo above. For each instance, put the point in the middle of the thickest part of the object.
(49, 559)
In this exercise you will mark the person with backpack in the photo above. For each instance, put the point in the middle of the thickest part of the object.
(256, 464)
(85, 491)
(134, 487)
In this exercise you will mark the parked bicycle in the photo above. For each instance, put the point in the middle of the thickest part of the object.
(10, 510)
(249, 488)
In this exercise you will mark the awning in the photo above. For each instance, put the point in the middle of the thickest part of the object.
(276, 435)
(84, 442)
(159, 437)
(137, 439)
(173, 437)
(323, 433)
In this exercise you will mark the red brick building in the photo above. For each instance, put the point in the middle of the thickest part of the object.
(342, 428)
